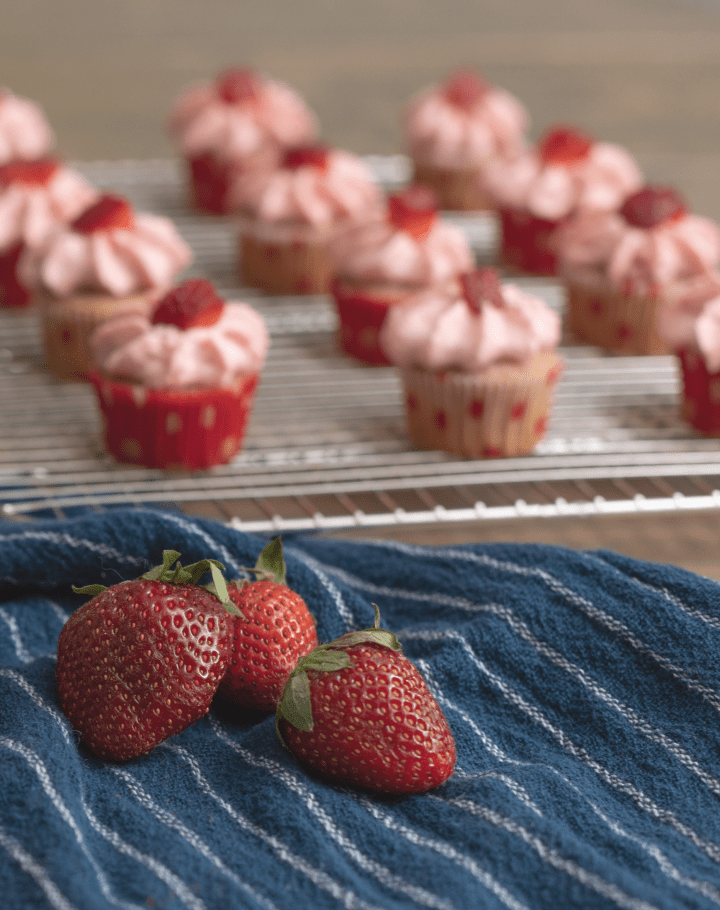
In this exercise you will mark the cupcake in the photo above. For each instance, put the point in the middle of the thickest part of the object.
(295, 212)
(241, 123)
(619, 267)
(37, 198)
(382, 262)
(24, 132)
(176, 380)
(535, 192)
(455, 130)
(109, 259)
(478, 365)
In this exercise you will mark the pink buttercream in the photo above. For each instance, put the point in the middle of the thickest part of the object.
(602, 180)
(116, 261)
(130, 348)
(438, 331)
(691, 318)
(319, 197)
(379, 252)
(447, 135)
(275, 119)
(30, 213)
(24, 131)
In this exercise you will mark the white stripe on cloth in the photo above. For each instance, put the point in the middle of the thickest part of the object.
(29, 864)
(77, 543)
(20, 649)
(223, 551)
(59, 718)
(317, 569)
(513, 786)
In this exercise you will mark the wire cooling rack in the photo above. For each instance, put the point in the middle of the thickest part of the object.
(326, 446)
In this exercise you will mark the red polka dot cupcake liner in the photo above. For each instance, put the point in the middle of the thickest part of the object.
(361, 315)
(13, 293)
(211, 180)
(174, 429)
(526, 242)
(700, 403)
(498, 413)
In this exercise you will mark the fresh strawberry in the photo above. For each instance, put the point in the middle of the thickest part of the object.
(307, 156)
(143, 659)
(465, 88)
(358, 712)
(237, 85)
(189, 305)
(32, 173)
(564, 145)
(413, 210)
(106, 214)
(273, 633)
(653, 205)
(481, 286)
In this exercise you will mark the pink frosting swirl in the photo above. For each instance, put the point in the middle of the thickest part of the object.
(118, 261)
(320, 197)
(379, 252)
(275, 117)
(131, 349)
(30, 212)
(601, 180)
(24, 131)
(437, 330)
(447, 135)
(690, 319)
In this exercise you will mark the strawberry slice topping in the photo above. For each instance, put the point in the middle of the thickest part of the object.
(413, 210)
(479, 287)
(238, 85)
(564, 145)
(31, 173)
(190, 305)
(653, 205)
(109, 213)
(465, 89)
(307, 156)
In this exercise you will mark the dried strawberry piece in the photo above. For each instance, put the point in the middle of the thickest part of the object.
(32, 173)
(653, 205)
(238, 85)
(107, 214)
(481, 286)
(465, 88)
(564, 145)
(189, 305)
(413, 210)
(307, 156)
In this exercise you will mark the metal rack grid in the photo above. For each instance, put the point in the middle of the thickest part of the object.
(326, 446)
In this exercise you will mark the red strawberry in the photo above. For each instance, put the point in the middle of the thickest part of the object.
(413, 210)
(653, 205)
(142, 660)
(307, 156)
(106, 214)
(465, 88)
(274, 631)
(33, 173)
(189, 305)
(237, 85)
(564, 145)
(358, 712)
(481, 286)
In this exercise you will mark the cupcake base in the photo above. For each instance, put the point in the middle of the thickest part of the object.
(361, 314)
(598, 314)
(501, 412)
(526, 242)
(456, 189)
(284, 261)
(173, 429)
(13, 293)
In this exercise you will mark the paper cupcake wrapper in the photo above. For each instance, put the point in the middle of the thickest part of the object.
(361, 315)
(700, 393)
(526, 242)
(210, 181)
(457, 189)
(598, 314)
(284, 266)
(13, 293)
(174, 429)
(500, 412)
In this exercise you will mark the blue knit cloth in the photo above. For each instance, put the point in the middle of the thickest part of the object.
(583, 690)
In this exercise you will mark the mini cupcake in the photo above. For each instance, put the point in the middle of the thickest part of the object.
(382, 262)
(295, 212)
(108, 259)
(176, 381)
(240, 123)
(37, 198)
(478, 365)
(455, 130)
(619, 267)
(24, 132)
(565, 173)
